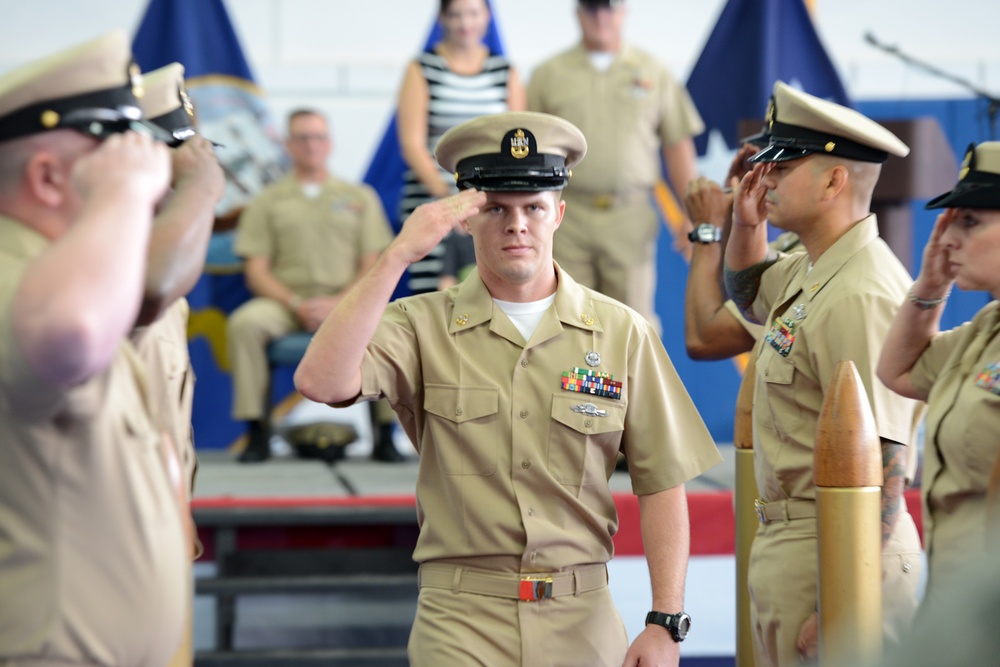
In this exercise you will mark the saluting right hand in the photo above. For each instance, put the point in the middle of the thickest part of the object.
(124, 165)
(705, 201)
(748, 200)
(431, 222)
(195, 165)
(936, 273)
(741, 165)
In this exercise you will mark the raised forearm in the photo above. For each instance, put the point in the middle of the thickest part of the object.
(330, 371)
(710, 331)
(744, 285)
(893, 483)
(909, 335)
(177, 247)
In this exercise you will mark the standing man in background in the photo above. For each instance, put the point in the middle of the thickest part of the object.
(305, 239)
(93, 567)
(635, 114)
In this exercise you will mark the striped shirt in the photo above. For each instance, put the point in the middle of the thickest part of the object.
(454, 99)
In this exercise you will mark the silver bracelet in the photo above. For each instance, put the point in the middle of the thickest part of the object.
(926, 304)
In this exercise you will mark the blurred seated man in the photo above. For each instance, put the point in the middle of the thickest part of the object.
(305, 240)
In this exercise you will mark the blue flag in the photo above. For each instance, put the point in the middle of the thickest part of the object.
(385, 172)
(754, 43)
(199, 35)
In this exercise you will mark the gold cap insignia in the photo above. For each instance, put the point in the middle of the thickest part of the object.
(966, 164)
(187, 103)
(135, 76)
(519, 147)
(769, 116)
(829, 146)
(49, 119)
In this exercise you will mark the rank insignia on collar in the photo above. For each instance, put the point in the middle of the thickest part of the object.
(587, 319)
(463, 320)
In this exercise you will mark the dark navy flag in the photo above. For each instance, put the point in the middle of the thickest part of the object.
(385, 172)
(230, 110)
(754, 43)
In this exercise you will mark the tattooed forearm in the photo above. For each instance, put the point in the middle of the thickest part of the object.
(893, 475)
(743, 286)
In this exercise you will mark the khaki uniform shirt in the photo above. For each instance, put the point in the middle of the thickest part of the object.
(315, 244)
(627, 112)
(92, 556)
(960, 373)
(512, 466)
(840, 309)
(163, 348)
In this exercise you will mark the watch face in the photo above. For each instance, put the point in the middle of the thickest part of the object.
(705, 233)
(683, 625)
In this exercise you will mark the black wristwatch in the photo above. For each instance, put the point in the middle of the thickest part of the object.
(678, 624)
(705, 233)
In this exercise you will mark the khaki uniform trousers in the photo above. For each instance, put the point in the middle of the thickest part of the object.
(783, 582)
(249, 329)
(608, 243)
(454, 628)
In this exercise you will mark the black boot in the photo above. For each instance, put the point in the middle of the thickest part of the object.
(258, 443)
(384, 449)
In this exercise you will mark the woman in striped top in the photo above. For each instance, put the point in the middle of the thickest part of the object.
(457, 80)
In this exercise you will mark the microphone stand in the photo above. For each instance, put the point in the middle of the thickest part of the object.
(993, 103)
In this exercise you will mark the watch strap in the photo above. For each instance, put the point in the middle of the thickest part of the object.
(701, 232)
(671, 622)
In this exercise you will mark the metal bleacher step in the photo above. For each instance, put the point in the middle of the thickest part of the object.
(355, 657)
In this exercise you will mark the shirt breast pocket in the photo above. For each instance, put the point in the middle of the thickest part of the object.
(584, 439)
(782, 406)
(462, 428)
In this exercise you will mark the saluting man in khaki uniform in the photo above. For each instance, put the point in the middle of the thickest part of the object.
(305, 238)
(93, 569)
(833, 302)
(176, 258)
(520, 387)
(634, 114)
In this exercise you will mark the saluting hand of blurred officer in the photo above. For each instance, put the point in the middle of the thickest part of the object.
(128, 166)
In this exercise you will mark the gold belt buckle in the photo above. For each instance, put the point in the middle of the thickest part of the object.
(532, 589)
(758, 507)
(603, 201)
